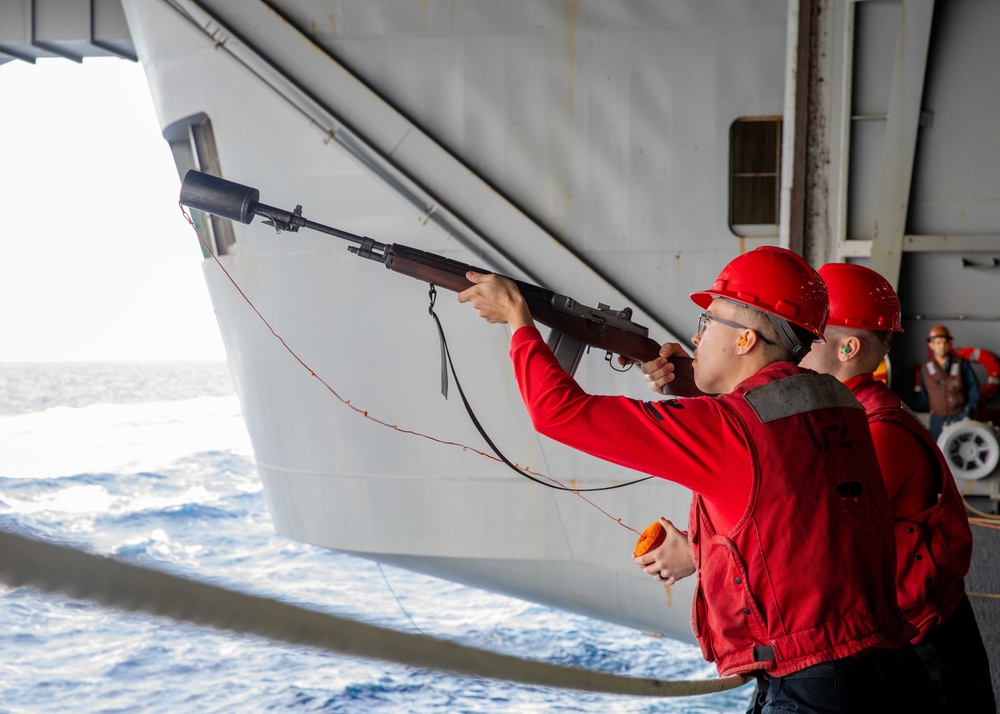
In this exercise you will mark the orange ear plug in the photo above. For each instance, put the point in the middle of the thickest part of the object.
(651, 538)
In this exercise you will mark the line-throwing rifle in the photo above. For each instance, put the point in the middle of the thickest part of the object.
(574, 326)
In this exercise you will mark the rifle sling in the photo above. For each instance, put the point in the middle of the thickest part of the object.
(446, 355)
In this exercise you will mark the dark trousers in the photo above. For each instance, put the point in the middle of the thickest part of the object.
(886, 681)
(956, 661)
(938, 423)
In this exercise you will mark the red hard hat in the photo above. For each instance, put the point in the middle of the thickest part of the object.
(776, 281)
(861, 298)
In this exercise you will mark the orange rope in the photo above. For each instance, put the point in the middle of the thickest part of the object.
(364, 413)
(983, 524)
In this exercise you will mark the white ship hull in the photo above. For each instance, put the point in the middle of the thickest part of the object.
(582, 145)
(337, 479)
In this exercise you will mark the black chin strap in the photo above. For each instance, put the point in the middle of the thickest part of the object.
(446, 356)
(787, 336)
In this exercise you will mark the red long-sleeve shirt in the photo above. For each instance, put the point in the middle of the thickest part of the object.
(908, 469)
(692, 442)
(752, 558)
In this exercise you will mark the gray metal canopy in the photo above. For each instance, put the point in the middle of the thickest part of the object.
(70, 29)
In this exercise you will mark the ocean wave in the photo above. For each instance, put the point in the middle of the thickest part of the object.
(37, 386)
(119, 437)
(156, 516)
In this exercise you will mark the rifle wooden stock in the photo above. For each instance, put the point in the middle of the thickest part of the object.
(619, 336)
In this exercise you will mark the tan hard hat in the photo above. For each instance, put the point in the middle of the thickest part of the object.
(938, 331)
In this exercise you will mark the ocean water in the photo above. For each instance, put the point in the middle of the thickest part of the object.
(152, 462)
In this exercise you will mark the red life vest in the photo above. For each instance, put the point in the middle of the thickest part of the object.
(933, 547)
(806, 575)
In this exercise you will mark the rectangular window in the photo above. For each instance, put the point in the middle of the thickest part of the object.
(755, 176)
(193, 145)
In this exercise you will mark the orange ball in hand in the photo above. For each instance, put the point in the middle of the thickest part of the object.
(651, 538)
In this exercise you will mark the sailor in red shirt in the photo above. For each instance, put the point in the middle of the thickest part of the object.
(790, 523)
(933, 539)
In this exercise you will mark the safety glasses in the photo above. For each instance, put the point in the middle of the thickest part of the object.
(705, 318)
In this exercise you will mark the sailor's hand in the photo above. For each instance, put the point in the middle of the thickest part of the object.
(496, 299)
(659, 372)
(673, 560)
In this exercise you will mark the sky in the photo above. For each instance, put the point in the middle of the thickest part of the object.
(97, 262)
